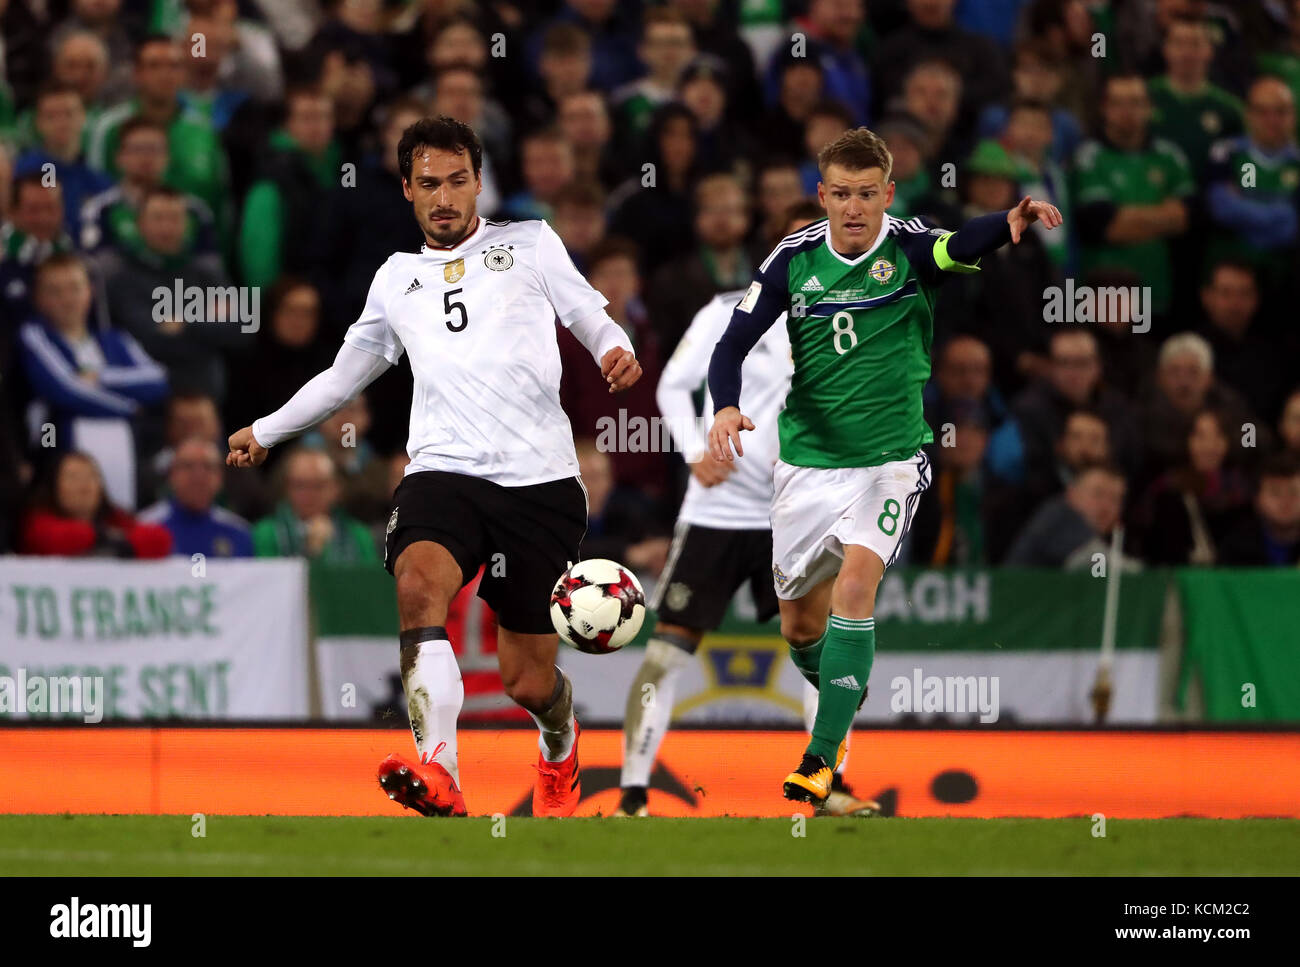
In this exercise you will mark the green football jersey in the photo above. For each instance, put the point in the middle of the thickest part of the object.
(860, 330)
(1105, 174)
(1194, 121)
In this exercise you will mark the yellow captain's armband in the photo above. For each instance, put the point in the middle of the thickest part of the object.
(946, 262)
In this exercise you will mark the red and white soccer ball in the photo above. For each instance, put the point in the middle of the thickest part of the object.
(597, 606)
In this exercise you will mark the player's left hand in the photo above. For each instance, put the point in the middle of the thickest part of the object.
(620, 369)
(1030, 211)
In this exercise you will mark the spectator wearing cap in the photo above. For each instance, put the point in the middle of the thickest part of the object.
(665, 48)
(197, 161)
(1271, 536)
(281, 210)
(93, 382)
(60, 121)
(191, 349)
(190, 513)
(1002, 304)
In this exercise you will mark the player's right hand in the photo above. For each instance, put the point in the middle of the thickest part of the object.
(245, 451)
(725, 433)
(710, 471)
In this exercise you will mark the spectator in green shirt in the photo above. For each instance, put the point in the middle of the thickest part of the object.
(197, 163)
(1189, 110)
(280, 210)
(1131, 191)
(308, 522)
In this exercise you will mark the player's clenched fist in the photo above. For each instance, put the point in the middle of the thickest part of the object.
(620, 369)
(245, 451)
(727, 424)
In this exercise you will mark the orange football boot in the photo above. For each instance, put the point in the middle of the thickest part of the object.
(428, 789)
(559, 784)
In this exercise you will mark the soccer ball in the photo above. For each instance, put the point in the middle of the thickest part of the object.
(597, 606)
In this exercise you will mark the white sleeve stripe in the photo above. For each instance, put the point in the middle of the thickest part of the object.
(798, 238)
(41, 345)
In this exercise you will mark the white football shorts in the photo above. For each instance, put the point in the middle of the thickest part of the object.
(816, 511)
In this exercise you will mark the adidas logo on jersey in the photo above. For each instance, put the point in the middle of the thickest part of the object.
(812, 285)
(848, 681)
(415, 284)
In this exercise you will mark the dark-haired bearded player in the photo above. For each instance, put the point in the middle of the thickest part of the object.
(493, 477)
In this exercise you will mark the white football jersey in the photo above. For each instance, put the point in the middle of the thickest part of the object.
(744, 500)
(478, 321)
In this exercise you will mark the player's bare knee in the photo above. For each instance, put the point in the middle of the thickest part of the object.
(420, 601)
(800, 631)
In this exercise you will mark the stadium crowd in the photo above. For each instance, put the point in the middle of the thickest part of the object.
(1140, 366)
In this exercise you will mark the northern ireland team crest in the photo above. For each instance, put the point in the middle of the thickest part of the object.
(882, 270)
(454, 271)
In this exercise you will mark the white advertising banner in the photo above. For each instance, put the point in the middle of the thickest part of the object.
(153, 639)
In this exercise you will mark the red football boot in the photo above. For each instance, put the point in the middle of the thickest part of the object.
(559, 784)
(428, 789)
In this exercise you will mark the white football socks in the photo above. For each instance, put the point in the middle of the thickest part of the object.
(434, 696)
(810, 716)
(650, 709)
(555, 723)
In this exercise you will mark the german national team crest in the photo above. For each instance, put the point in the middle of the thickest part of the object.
(678, 596)
(454, 271)
(882, 270)
(499, 259)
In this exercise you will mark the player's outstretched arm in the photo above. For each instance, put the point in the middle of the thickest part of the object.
(354, 369)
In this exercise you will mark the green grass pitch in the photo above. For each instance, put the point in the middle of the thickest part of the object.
(322, 846)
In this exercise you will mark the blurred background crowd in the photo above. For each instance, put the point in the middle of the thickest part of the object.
(252, 143)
